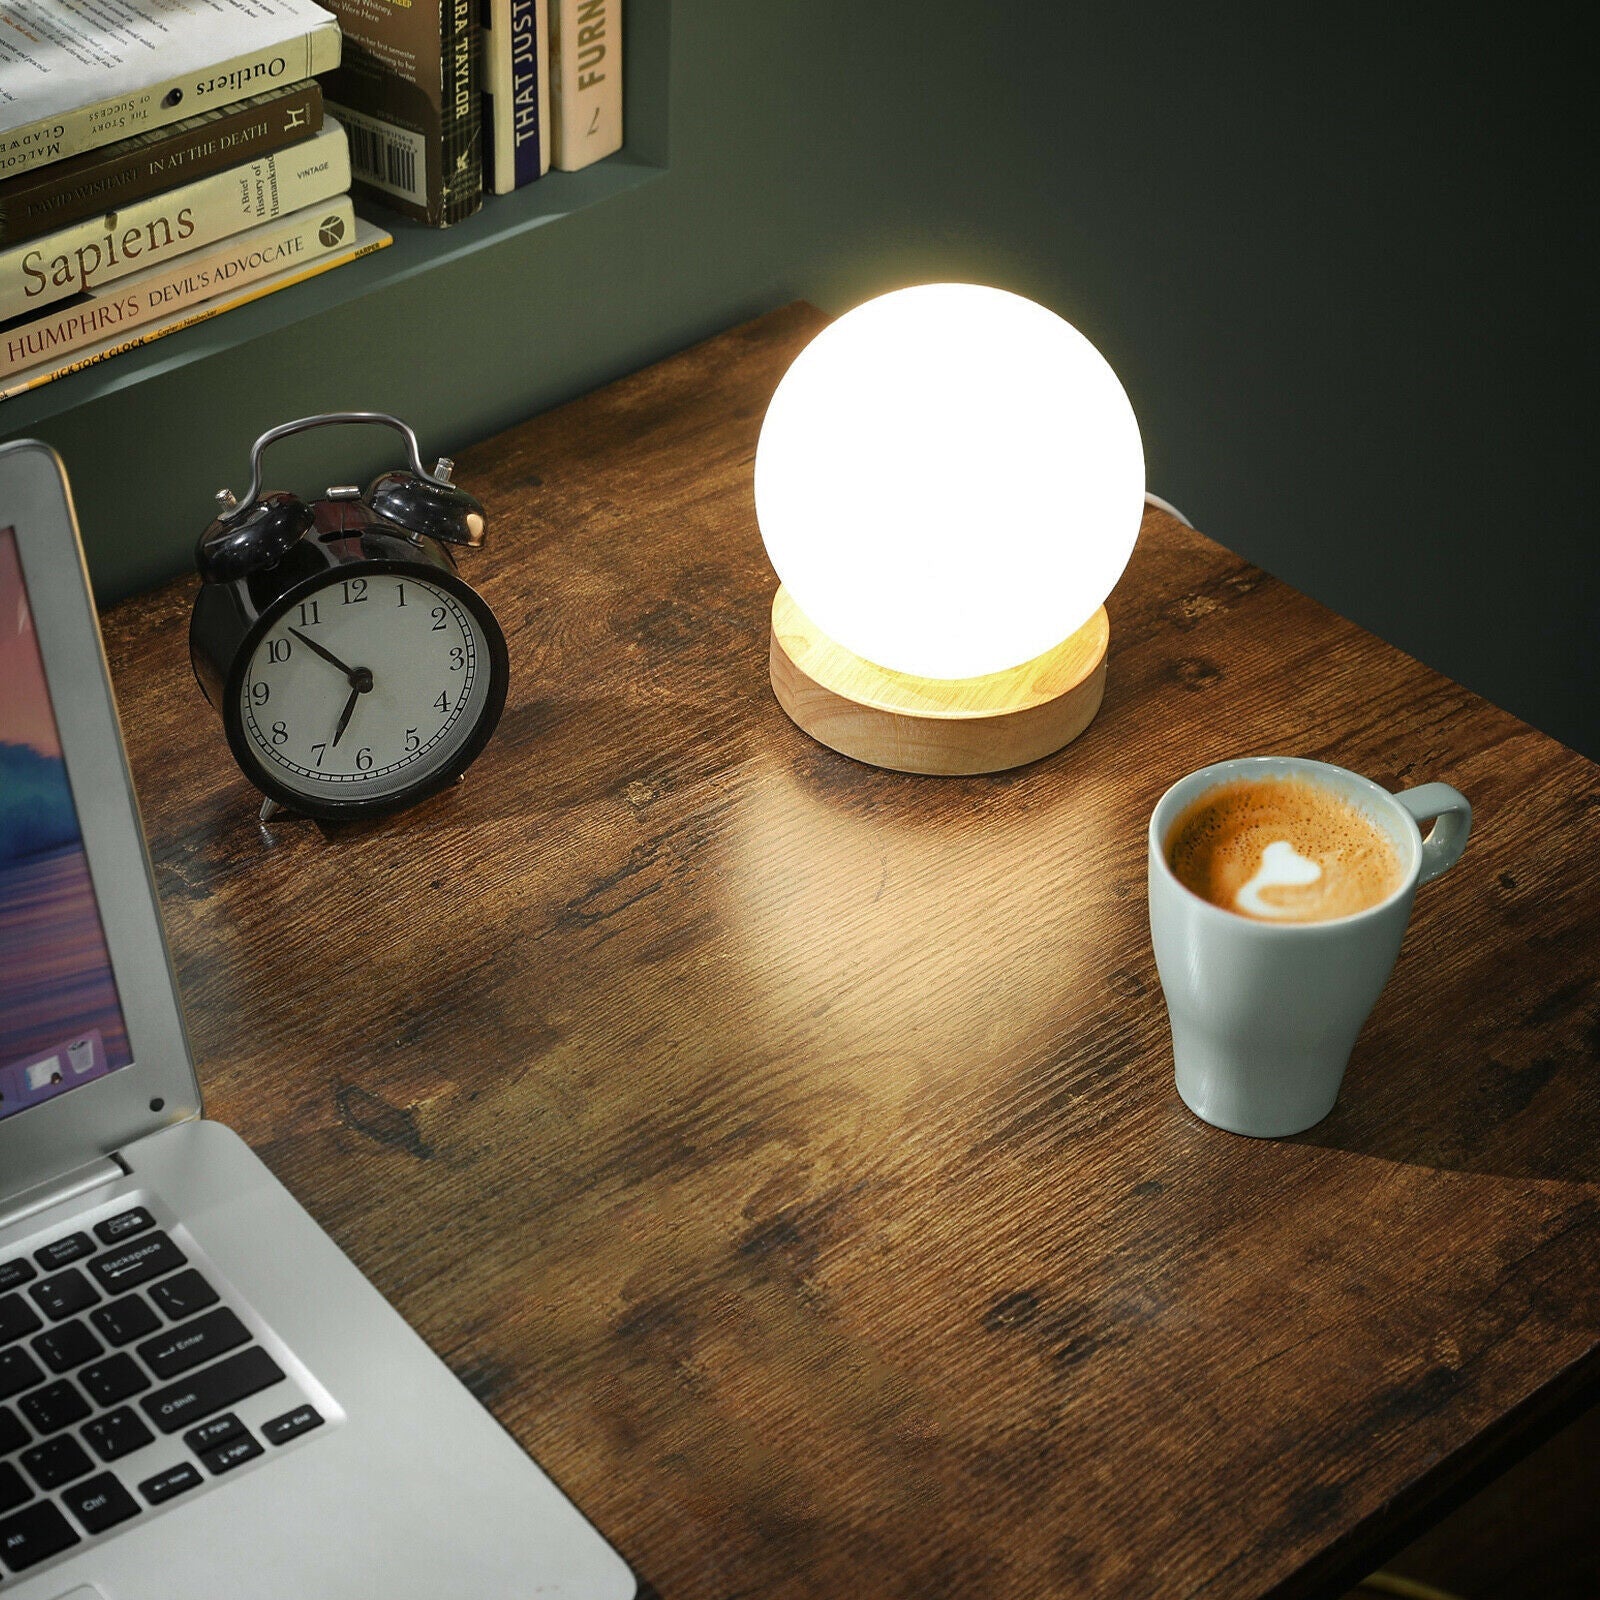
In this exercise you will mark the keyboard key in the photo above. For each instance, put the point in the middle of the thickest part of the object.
(34, 1535)
(117, 1433)
(194, 1342)
(210, 1434)
(12, 1434)
(211, 1389)
(18, 1371)
(124, 1225)
(54, 1407)
(113, 1379)
(17, 1317)
(14, 1489)
(61, 1252)
(232, 1454)
(66, 1347)
(132, 1264)
(291, 1424)
(186, 1475)
(56, 1461)
(15, 1273)
(101, 1503)
(63, 1295)
(125, 1320)
(184, 1295)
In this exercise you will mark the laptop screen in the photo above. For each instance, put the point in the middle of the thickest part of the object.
(61, 1022)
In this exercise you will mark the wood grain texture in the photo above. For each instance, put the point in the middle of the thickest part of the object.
(947, 726)
(787, 1151)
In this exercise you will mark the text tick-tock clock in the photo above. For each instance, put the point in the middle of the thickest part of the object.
(355, 671)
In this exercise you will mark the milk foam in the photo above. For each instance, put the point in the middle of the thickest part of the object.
(1282, 867)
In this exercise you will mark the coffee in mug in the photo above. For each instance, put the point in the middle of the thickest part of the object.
(1279, 894)
(1282, 849)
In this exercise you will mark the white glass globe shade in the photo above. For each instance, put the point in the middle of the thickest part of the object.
(949, 480)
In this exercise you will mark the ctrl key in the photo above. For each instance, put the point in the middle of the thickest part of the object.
(33, 1536)
(100, 1503)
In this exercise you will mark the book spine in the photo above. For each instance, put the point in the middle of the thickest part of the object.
(516, 93)
(530, 89)
(461, 115)
(35, 144)
(103, 180)
(408, 91)
(494, 78)
(66, 263)
(585, 81)
(367, 239)
(248, 257)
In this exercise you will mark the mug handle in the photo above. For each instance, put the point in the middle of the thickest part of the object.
(1447, 838)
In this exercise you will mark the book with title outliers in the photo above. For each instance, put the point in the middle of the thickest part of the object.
(78, 74)
(407, 91)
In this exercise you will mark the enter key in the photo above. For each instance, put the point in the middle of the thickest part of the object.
(193, 1342)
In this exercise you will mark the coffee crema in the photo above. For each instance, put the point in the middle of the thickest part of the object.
(1282, 850)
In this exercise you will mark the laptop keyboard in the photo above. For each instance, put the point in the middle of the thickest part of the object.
(113, 1345)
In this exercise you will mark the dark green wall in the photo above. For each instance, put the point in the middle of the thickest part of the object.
(1336, 262)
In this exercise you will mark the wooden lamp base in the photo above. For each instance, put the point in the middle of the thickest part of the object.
(936, 725)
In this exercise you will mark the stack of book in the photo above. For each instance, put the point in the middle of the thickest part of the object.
(158, 167)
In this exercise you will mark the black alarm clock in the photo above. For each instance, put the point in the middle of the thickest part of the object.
(354, 670)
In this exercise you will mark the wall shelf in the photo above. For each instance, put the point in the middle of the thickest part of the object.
(416, 249)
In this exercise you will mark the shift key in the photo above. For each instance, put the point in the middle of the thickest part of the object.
(211, 1389)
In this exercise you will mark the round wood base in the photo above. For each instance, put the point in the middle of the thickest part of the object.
(936, 725)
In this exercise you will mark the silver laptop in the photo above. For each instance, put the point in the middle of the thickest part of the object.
(199, 1395)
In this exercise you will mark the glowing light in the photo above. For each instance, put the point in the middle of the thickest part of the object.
(949, 480)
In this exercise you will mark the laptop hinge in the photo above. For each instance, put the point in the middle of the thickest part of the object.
(68, 1187)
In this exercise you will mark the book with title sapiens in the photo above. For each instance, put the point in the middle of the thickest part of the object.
(69, 82)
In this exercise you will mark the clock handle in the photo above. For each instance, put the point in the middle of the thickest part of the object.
(324, 419)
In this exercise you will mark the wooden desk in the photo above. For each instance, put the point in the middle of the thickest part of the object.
(787, 1152)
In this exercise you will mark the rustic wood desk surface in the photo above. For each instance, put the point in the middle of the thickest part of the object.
(787, 1153)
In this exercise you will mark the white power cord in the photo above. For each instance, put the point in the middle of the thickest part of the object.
(1167, 506)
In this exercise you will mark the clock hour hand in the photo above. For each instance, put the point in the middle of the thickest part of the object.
(327, 655)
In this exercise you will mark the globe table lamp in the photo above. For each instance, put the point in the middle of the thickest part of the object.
(949, 481)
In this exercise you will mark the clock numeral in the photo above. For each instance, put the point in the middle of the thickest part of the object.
(355, 591)
(364, 758)
(402, 588)
(260, 693)
(317, 750)
(277, 649)
(413, 740)
(280, 733)
(458, 657)
(442, 704)
(309, 615)
(438, 620)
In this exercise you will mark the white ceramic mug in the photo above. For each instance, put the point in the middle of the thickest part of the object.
(1265, 1014)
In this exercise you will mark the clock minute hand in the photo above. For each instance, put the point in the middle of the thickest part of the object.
(327, 655)
(344, 716)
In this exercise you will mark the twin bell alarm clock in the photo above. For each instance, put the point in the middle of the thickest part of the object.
(354, 671)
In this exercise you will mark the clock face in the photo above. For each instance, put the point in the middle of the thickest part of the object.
(369, 688)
